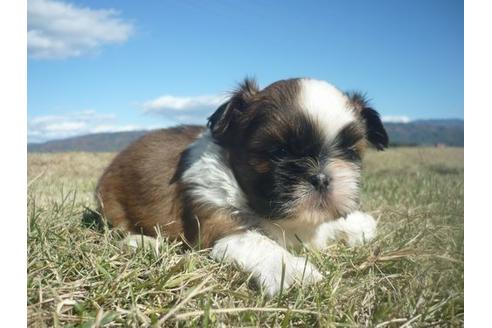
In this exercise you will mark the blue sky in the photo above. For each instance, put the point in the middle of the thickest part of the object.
(104, 65)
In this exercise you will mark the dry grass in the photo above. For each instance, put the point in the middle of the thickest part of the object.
(411, 275)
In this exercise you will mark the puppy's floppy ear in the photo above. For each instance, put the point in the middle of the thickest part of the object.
(376, 134)
(221, 121)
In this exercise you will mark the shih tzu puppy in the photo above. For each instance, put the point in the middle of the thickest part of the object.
(275, 168)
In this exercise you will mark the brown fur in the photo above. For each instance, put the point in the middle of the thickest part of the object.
(134, 192)
(209, 224)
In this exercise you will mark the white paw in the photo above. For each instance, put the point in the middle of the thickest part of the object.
(297, 270)
(358, 228)
(257, 254)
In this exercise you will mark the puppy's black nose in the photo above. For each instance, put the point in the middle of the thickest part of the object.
(320, 181)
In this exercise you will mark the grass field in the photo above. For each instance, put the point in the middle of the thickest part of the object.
(411, 275)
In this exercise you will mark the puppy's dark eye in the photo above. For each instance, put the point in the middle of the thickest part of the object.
(352, 154)
(280, 152)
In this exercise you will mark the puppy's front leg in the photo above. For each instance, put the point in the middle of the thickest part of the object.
(255, 253)
(355, 229)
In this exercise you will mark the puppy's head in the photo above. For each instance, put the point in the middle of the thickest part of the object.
(295, 147)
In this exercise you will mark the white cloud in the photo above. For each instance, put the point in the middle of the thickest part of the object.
(43, 128)
(184, 110)
(115, 128)
(396, 119)
(172, 103)
(56, 29)
(63, 127)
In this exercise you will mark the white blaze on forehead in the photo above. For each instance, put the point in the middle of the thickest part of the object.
(327, 105)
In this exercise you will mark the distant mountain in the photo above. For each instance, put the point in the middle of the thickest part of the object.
(97, 142)
(449, 132)
(440, 122)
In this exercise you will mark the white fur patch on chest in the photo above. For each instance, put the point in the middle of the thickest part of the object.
(327, 105)
(210, 178)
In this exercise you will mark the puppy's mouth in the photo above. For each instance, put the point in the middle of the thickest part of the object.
(307, 198)
(318, 199)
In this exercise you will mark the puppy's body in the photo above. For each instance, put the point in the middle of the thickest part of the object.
(134, 192)
(275, 167)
